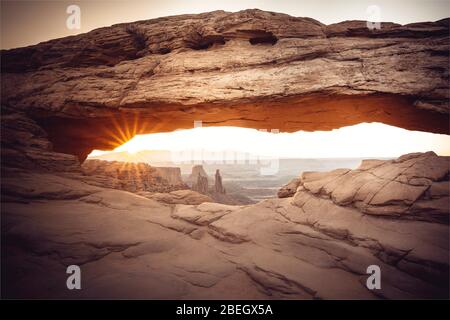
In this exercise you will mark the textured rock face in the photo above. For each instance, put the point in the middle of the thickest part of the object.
(132, 177)
(201, 184)
(171, 174)
(289, 189)
(178, 197)
(251, 68)
(198, 179)
(414, 186)
(24, 144)
(196, 171)
(218, 187)
(309, 245)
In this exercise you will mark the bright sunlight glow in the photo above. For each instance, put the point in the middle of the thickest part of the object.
(361, 140)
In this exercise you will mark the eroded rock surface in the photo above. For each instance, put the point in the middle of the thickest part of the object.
(199, 181)
(133, 177)
(178, 197)
(218, 186)
(201, 184)
(251, 68)
(24, 144)
(414, 186)
(315, 243)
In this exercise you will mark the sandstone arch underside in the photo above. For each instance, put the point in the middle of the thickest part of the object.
(251, 68)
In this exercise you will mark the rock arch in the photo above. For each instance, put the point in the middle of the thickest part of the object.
(96, 90)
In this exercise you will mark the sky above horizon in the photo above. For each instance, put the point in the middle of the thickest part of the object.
(27, 22)
(364, 140)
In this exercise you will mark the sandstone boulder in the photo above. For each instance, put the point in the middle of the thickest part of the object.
(414, 186)
(289, 189)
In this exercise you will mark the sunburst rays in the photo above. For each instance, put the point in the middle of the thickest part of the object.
(120, 129)
(362, 140)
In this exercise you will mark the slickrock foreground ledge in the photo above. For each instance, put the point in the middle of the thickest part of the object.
(414, 186)
(250, 68)
(317, 242)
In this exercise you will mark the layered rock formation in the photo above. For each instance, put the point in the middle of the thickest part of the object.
(131, 177)
(24, 144)
(178, 197)
(201, 184)
(317, 243)
(414, 186)
(198, 179)
(163, 184)
(196, 171)
(250, 68)
(171, 174)
(218, 187)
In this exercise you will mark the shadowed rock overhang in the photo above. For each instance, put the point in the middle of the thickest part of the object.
(251, 68)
